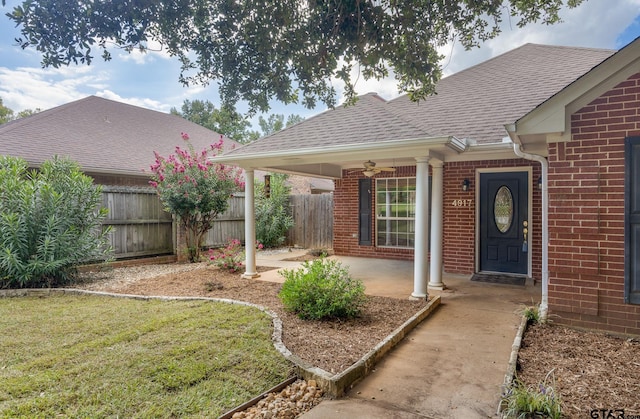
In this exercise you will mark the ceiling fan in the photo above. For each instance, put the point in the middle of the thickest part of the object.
(370, 169)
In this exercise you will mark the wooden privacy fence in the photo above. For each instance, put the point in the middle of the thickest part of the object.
(229, 225)
(142, 228)
(313, 221)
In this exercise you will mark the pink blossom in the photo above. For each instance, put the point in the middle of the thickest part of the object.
(184, 136)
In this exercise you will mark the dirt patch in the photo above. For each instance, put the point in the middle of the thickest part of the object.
(302, 258)
(312, 254)
(592, 371)
(331, 345)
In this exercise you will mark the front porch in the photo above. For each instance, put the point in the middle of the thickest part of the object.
(394, 278)
(451, 365)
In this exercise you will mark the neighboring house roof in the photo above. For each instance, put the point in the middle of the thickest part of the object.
(102, 135)
(302, 185)
(474, 104)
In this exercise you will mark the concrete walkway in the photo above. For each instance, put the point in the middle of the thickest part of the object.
(451, 366)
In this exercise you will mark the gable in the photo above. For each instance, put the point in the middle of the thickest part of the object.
(551, 121)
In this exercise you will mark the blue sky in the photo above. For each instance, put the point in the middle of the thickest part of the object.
(151, 80)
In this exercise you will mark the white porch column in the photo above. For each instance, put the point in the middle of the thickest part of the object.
(249, 226)
(437, 221)
(420, 258)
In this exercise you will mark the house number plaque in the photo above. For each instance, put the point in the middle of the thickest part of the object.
(461, 202)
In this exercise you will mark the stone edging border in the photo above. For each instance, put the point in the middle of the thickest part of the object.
(513, 361)
(336, 385)
(332, 385)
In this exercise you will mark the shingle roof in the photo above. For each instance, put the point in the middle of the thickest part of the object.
(102, 135)
(475, 103)
(369, 120)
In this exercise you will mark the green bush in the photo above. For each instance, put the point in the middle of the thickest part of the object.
(273, 217)
(322, 289)
(50, 222)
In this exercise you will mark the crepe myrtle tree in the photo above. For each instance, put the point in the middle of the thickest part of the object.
(288, 50)
(194, 189)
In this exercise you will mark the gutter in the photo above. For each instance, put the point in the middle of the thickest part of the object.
(238, 156)
(544, 164)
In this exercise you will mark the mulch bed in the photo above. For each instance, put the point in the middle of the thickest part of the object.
(590, 370)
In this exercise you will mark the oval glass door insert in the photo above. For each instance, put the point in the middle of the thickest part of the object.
(503, 209)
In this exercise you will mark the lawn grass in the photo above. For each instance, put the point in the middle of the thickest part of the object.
(92, 356)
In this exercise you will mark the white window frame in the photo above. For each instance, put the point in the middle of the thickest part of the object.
(397, 183)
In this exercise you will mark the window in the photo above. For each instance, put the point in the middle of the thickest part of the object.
(395, 212)
(632, 220)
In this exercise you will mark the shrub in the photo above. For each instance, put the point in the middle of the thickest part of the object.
(322, 289)
(230, 258)
(532, 314)
(194, 189)
(532, 401)
(273, 217)
(50, 221)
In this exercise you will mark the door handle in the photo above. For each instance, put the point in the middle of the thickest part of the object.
(525, 231)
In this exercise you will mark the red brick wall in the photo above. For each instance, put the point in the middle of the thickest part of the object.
(115, 180)
(459, 221)
(586, 214)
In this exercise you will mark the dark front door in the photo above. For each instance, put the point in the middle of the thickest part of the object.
(503, 222)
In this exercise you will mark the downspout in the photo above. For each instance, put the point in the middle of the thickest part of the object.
(544, 164)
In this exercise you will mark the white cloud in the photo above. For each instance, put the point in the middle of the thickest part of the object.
(141, 102)
(31, 88)
(386, 88)
(154, 50)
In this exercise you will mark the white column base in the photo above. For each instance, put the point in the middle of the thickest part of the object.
(437, 287)
(250, 275)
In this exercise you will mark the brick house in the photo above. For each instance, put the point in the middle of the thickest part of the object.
(526, 165)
